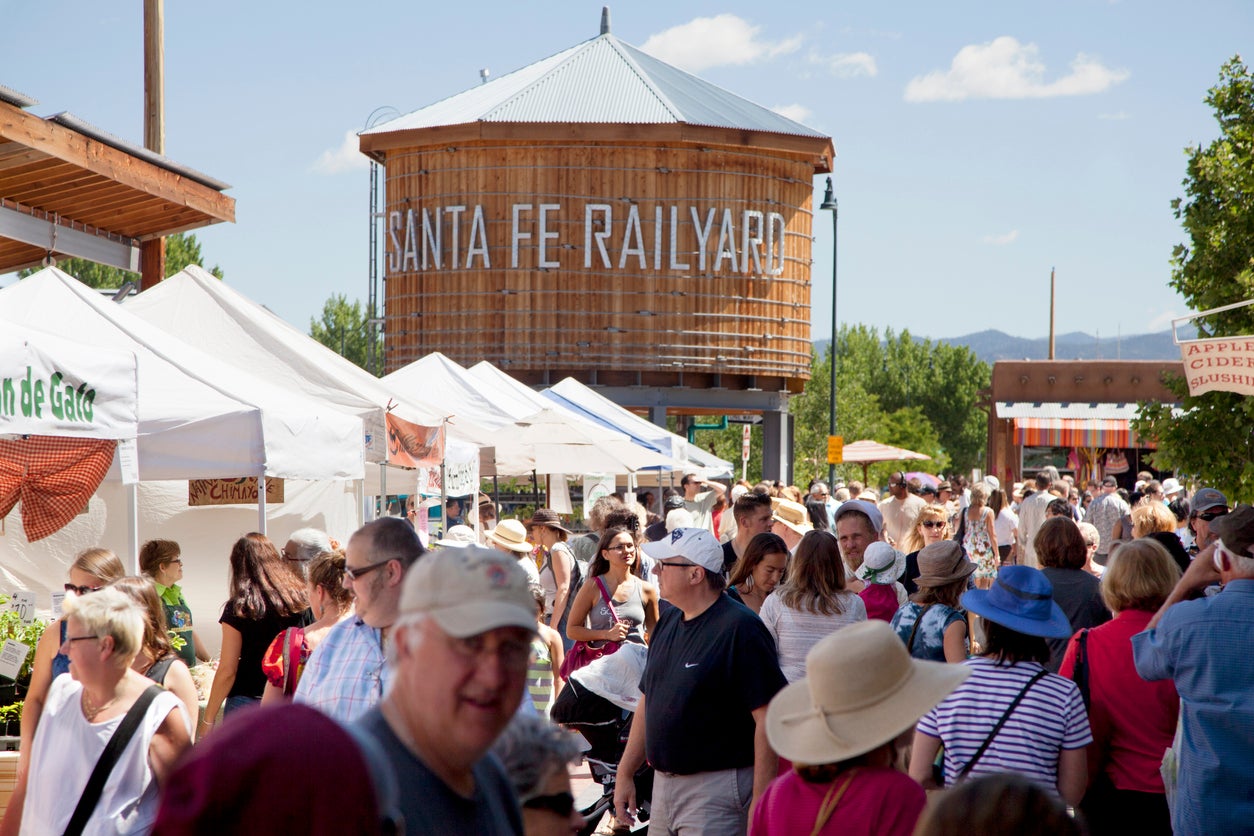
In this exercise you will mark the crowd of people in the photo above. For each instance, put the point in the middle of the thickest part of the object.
(813, 662)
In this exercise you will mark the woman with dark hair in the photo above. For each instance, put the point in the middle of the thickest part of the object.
(811, 603)
(1133, 721)
(266, 597)
(156, 658)
(1005, 524)
(759, 570)
(817, 511)
(556, 564)
(330, 603)
(162, 560)
(1011, 715)
(613, 582)
(1062, 553)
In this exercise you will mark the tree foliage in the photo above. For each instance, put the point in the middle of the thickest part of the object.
(180, 250)
(906, 392)
(1213, 439)
(343, 329)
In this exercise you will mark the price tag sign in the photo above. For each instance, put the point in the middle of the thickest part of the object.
(835, 449)
(12, 657)
(24, 602)
(57, 599)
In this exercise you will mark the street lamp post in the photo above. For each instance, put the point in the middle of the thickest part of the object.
(829, 203)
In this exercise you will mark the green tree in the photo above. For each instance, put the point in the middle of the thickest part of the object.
(181, 250)
(344, 330)
(1211, 437)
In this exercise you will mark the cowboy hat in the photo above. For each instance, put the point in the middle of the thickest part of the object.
(1022, 599)
(861, 690)
(510, 535)
(792, 514)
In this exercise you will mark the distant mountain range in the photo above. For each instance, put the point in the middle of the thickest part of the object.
(991, 346)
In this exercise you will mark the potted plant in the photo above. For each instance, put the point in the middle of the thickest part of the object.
(13, 693)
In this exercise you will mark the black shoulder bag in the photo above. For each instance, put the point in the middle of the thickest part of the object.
(979, 753)
(112, 751)
(1081, 672)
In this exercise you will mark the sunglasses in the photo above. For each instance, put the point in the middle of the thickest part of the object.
(360, 572)
(82, 590)
(561, 803)
(933, 524)
(1210, 515)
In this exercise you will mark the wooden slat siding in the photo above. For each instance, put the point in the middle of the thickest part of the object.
(465, 315)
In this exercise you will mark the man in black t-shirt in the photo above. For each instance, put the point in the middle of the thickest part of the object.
(711, 672)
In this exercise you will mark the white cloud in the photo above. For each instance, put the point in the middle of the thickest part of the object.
(1115, 117)
(1001, 240)
(717, 41)
(345, 158)
(795, 112)
(1007, 69)
(847, 64)
(1162, 322)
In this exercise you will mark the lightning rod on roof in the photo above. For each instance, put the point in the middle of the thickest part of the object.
(483, 75)
(605, 20)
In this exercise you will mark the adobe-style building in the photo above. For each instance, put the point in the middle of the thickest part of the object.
(1072, 414)
(603, 215)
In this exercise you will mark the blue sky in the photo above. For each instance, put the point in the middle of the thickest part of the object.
(979, 144)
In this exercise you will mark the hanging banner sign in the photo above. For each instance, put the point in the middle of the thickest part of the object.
(202, 492)
(52, 386)
(461, 473)
(595, 486)
(1223, 364)
(412, 445)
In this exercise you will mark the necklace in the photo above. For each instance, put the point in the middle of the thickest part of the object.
(90, 710)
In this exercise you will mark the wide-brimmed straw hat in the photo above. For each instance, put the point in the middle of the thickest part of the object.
(1021, 598)
(792, 514)
(457, 537)
(941, 563)
(511, 535)
(549, 517)
(881, 564)
(861, 690)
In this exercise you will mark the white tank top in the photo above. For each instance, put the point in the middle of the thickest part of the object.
(64, 754)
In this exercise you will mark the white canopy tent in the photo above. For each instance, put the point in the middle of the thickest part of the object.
(198, 418)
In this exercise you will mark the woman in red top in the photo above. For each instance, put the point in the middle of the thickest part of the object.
(1133, 721)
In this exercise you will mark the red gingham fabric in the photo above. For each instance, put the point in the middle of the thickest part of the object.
(53, 477)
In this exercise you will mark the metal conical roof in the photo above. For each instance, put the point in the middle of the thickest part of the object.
(603, 80)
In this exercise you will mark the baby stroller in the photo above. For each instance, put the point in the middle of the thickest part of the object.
(598, 702)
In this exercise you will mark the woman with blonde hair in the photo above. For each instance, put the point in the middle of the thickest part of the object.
(812, 603)
(980, 538)
(1155, 521)
(931, 526)
(91, 571)
(156, 658)
(1133, 721)
(330, 604)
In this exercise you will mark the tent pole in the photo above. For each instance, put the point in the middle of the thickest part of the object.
(383, 491)
(132, 523)
(443, 501)
(535, 490)
(261, 503)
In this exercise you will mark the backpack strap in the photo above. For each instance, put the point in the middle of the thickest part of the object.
(108, 758)
(915, 629)
(157, 670)
(1001, 722)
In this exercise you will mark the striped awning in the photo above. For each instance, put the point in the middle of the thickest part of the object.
(1077, 432)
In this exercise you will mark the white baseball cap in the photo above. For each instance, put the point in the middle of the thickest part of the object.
(696, 545)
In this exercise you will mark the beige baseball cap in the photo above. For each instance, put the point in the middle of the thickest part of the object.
(469, 591)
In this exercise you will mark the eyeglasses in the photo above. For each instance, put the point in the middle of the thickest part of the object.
(362, 571)
(72, 639)
(933, 524)
(662, 564)
(622, 547)
(177, 560)
(1210, 515)
(561, 803)
(82, 590)
(514, 654)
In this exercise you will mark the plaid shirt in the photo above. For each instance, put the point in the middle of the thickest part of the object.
(347, 673)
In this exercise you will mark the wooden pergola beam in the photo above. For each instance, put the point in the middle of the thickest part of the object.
(91, 155)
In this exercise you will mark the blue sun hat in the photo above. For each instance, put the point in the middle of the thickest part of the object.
(1022, 599)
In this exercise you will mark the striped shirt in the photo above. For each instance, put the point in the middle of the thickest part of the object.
(540, 676)
(1050, 718)
(796, 631)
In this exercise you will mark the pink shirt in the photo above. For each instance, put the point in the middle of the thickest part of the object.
(880, 600)
(879, 802)
(1133, 721)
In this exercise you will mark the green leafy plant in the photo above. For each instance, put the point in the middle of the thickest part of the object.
(12, 627)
